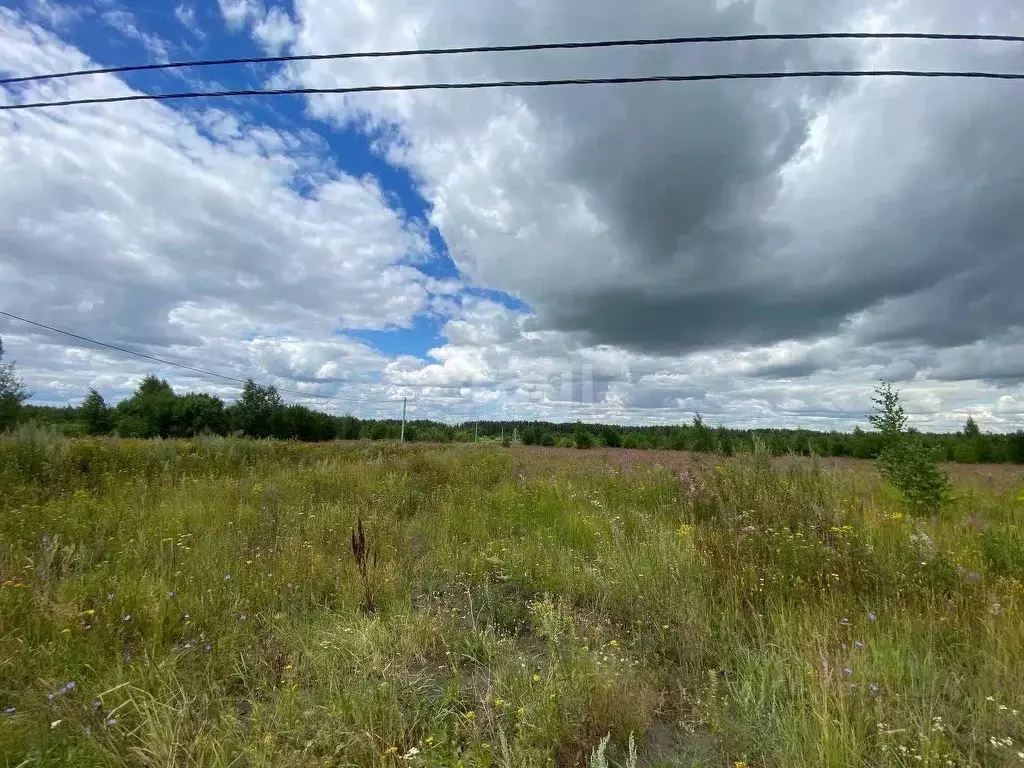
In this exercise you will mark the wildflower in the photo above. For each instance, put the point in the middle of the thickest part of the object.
(429, 739)
(499, 702)
(127, 617)
(471, 715)
(241, 617)
(874, 688)
(989, 698)
(110, 722)
(110, 596)
(844, 621)
(391, 750)
(858, 644)
(1003, 707)
(208, 647)
(170, 595)
(995, 609)
(847, 671)
(973, 576)
(664, 626)
(227, 577)
(521, 711)
(413, 751)
(96, 704)
(536, 678)
(10, 710)
(871, 616)
(55, 723)
(614, 643)
(68, 686)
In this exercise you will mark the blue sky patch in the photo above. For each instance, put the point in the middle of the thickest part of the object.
(123, 32)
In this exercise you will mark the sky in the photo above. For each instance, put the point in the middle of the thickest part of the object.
(762, 253)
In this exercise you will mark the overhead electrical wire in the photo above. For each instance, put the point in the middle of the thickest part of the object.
(174, 364)
(464, 86)
(582, 45)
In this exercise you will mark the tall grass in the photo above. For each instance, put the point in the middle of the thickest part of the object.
(198, 603)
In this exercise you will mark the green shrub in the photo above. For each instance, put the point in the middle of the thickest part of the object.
(905, 460)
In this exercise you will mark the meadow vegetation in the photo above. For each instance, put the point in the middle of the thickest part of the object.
(224, 601)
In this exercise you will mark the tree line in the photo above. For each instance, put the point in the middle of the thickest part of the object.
(156, 410)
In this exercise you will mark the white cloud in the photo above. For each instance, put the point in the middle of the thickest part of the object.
(186, 16)
(238, 13)
(54, 14)
(124, 22)
(761, 255)
(182, 235)
(274, 31)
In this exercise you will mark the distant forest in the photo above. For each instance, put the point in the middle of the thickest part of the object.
(155, 410)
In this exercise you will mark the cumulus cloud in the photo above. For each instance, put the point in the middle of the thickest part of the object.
(184, 235)
(759, 252)
(674, 218)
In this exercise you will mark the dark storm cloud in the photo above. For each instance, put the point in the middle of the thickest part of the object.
(685, 179)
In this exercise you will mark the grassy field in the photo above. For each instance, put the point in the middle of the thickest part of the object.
(198, 603)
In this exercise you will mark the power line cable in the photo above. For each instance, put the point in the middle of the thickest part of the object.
(596, 44)
(463, 86)
(193, 369)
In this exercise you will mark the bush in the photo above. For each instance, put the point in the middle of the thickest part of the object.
(905, 461)
(583, 439)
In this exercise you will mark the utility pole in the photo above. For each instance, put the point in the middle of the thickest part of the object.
(401, 436)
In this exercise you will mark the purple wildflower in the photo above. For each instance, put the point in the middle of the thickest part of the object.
(51, 696)
(874, 688)
(10, 710)
(844, 621)
(227, 577)
(110, 596)
(844, 646)
(110, 722)
(97, 704)
(208, 647)
(241, 617)
(871, 616)
(69, 686)
(858, 644)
